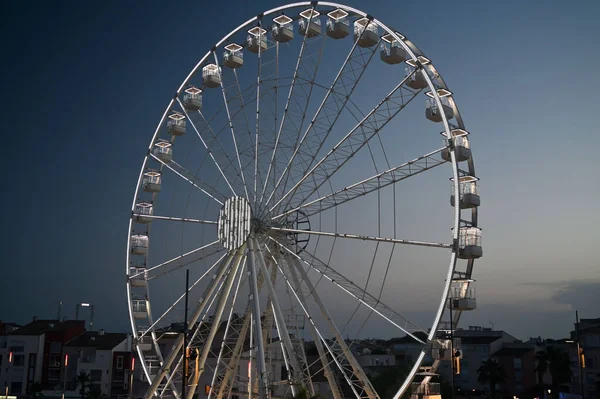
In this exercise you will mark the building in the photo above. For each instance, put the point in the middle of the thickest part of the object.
(105, 357)
(33, 353)
(478, 344)
(589, 340)
(519, 363)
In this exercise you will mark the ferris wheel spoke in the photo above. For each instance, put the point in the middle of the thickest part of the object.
(359, 294)
(328, 112)
(206, 147)
(178, 262)
(364, 238)
(369, 185)
(190, 178)
(200, 310)
(232, 129)
(282, 331)
(320, 342)
(172, 307)
(174, 219)
(356, 139)
(205, 342)
(339, 350)
(295, 111)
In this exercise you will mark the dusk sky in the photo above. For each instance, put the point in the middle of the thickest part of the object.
(85, 84)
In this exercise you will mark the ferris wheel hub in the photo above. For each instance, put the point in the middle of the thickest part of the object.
(235, 222)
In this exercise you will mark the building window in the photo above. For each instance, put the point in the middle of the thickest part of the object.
(119, 362)
(55, 361)
(517, 363)
(18, 360)
(95, 375)
(17, 349)
(16, 388)
(53, 375)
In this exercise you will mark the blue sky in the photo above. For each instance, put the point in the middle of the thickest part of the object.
(84, 87)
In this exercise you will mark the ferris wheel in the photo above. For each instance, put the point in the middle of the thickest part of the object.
(306, 192)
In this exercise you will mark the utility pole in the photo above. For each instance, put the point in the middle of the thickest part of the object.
(580, 357)
(185, 332)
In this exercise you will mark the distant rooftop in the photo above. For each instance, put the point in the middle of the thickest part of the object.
(39, 327)
(98, 340)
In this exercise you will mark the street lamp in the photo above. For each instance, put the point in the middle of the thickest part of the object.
(65, 376)
(85, 305)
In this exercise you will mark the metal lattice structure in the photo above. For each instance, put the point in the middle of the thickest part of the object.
(277, 165)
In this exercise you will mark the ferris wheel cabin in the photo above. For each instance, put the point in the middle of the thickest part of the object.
(211, 76)
(415, 76)
(391, 51)
(139, 244)
(192, 99)
(233, 56)
(462, 149)
(366, 33)
(163, 150)
(256, 40)
(338, 26)
(176, 124)
(143, 211)
(151, 183)
(429, 390)
(468, 191)
(433, 112)
(283, 30)
(139, 308)
(469, 243)
(310, 23)
(138, 276)
(462, 295)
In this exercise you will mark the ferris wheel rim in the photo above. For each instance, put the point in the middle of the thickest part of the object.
(414, 52)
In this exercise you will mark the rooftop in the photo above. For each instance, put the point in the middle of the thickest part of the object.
(39, 327)
(98, 340)
(513, 352)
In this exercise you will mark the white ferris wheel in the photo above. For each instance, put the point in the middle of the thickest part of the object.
(296, 179)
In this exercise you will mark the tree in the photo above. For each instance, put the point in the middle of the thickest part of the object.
(83, 382)
(388, 381)
(559, 366)
(303, 394)
(492, 373)
(541, 367)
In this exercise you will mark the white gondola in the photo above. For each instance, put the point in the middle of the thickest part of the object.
(176, 124)
(391, 50)
(310, 23)
(462, 149)
(142, 211)
(441, 349)
(163, 150)
(233, 56)
(462, 295)
(338, 26)
(366, 32)
(192, 99)
(283, 30)
(433, 112)
(139, 244)
(257, 39)
(139, 308)
(429, 390)
(145, 343)
(415, 80)
(468, 191)
(211, 75)
(469, 243)
(138, 276)
(151, 183)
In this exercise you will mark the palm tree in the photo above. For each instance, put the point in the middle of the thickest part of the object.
(83, 382)
(303, 394)
(492, 373)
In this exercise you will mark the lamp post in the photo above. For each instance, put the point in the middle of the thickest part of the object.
(10, 359)
(65, 375)
(580, 358)
(85, 305)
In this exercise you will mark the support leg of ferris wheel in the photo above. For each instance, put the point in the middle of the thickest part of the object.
(333, 383)
(216, 320)
(282, 330)
(165, 368)
(358, 372)
(263, 380)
